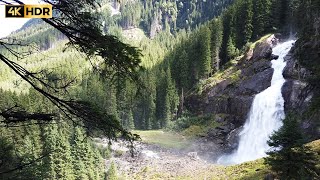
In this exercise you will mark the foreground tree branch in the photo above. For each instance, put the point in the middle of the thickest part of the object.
(77, 21)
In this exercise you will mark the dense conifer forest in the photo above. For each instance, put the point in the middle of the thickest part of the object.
(183, 46)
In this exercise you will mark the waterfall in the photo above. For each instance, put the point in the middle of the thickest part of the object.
(265, 116)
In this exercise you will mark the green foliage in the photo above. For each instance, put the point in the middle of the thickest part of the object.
(130, 13)
(176, 61)
(248, 171)
(243, 22)
(261, 19)
(52, 150)
(6, 156)
(232, 51)
(216, 42)
(165, 139)
(174, 15)
(112, 172)
(290, 158)
(194, 126)
(204, 50)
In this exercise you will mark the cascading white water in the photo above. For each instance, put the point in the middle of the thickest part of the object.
(265, 117)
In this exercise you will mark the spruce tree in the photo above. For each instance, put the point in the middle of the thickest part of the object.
(79, 153)
(62, 158)
(261, 18)
(243, 22)
(183, 69)
(232, 51)
(130, 120)
(228, 21)
(50, 135)
(204, 52)
(112, 172)
(289, 157)
(216, 42)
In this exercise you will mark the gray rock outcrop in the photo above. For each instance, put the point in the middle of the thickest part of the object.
(230, 100)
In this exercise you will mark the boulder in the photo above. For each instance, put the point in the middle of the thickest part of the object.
(262, 50)
(274, 57)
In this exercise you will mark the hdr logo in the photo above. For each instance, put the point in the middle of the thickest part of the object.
(29, 11)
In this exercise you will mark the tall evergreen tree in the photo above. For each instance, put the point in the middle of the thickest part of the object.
(112, 172)
(79, 153)
(62, 158)
(243, 22)
(204, 52)
(261, 18)
(228, 21)
(216, 42)
(290, 158)
(50, 135)
(232, 51)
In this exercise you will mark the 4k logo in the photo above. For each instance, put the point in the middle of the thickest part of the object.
(14, 11)
(29, 11)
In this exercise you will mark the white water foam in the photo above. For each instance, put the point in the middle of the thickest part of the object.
(265, 117)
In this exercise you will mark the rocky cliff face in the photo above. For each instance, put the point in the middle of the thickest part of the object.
(298, 94)
(230, 100)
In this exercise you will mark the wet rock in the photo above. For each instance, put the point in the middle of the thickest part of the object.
(274, 57)
(233, 138)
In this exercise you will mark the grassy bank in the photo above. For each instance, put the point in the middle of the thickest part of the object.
(163, 139)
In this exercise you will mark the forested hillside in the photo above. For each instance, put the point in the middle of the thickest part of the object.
(185, 47)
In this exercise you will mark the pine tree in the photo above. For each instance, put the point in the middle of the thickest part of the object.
(112, 172)
(216, 42)
(79, 153)
(50, 135)
(130, 120)
(232, 51)
(7, 156)
(204, 52)
(183, 69)
(290, 158)
(62, 158)
(172, 94)
(261, 19)
(97, 164)
(228, 21)
(243, 22)
(280, 13)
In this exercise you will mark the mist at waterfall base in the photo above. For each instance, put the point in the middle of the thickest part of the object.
(265, 116)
